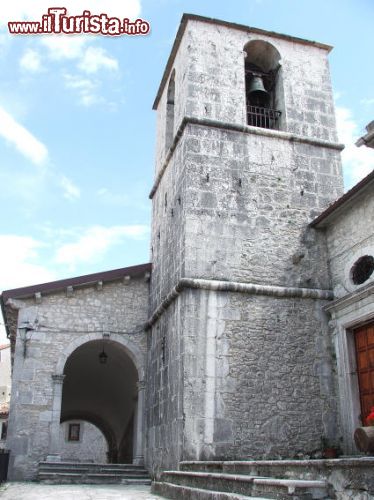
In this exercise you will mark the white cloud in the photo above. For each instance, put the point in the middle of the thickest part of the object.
(367, 101)
(4, 42)
(85, 88)
(357, 161)
(90, 61)
(71, 191)
(114, 198)
(95, 242)
(137, 199)
(18, 262)
(65, 46)
(96, 58)
(30, 61)
(33, 10)
(22, 139)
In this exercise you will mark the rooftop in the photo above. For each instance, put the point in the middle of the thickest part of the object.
(325, 217)
(78, 281)
(368, 138)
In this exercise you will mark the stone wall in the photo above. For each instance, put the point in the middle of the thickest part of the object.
(62, 321)
(210, 82)
(349, 237)
(249, 201)
(258, 371)
(259, 377)
(168, 229)
(166, 379)
(91, 447)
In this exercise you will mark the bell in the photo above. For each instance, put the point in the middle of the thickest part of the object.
(257, 93)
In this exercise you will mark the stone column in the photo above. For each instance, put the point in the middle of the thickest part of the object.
(54, 439)
(138, 458)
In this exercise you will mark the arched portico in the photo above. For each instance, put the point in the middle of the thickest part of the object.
(110, 394)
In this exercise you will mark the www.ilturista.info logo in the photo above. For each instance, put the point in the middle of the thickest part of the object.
(58, 22)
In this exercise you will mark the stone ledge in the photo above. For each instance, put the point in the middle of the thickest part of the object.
(335, 462)
(212, 475)
(238, 287)
(186, 492)
(235, 127)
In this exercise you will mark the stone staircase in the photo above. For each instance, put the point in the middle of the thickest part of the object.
(91, 473)
(275, 479)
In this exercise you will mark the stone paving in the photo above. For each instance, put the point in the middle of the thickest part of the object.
(35, 491)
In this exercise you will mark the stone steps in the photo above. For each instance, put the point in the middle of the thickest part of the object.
(90, 473)
(178, 492)
(292, 469)
(342, 478)
(190, 484)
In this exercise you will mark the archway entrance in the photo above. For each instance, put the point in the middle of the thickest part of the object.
(100, 386)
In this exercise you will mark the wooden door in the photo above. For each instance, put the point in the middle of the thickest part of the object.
(364, 340)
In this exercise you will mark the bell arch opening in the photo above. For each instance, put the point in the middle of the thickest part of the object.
(263, 85)
(101, 387)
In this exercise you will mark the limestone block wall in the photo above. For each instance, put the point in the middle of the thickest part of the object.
(62, 321)
(259, 379)
(180, 70)
(216, 84)
(210, 82)
(168, 229)
(349, 237)
(91, 447)
(250, 198)
(165, 386)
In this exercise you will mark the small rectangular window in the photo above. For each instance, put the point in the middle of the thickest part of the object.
(74, 432)
(4, 427)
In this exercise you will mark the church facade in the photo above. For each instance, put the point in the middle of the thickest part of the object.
(250, 335)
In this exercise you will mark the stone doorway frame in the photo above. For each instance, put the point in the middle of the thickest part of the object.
(137, 358)
(349, 313)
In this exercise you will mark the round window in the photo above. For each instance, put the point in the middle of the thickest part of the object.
(362, 269)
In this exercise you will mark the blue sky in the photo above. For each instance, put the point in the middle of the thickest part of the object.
(77, 127)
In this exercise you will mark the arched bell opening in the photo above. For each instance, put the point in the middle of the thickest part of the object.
(263, 84)
(101, 386)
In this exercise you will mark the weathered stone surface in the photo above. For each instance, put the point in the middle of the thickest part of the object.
(92, 446)
(242, 372)
(62, 321)
(239, 350)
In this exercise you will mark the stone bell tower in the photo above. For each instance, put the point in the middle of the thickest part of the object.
(240, 363)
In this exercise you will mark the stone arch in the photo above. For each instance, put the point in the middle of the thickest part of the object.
(264, 85)
(134, 354)
(263, 55)
(102, 426)
(132, 350)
